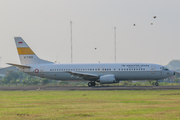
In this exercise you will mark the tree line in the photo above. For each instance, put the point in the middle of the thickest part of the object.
(20, 78)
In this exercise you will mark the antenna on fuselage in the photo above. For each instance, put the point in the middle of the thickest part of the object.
(71, 40)
(0, 61)
(115, 44)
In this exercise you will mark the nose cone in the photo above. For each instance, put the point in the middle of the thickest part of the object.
(173, 73)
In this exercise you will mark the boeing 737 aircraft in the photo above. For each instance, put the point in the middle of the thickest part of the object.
(104, 73)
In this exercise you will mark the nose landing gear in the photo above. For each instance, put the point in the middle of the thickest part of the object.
(91, 84)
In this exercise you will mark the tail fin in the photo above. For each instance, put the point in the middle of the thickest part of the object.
(26, 55)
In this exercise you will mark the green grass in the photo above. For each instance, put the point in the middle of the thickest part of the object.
(99, 105)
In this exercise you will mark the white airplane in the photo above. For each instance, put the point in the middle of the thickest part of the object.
(105, 73)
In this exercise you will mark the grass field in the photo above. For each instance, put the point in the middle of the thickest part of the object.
(99, 105)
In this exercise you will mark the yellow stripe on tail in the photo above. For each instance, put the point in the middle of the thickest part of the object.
(25, 51)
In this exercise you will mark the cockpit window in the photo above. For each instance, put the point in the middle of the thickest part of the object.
(164, 68)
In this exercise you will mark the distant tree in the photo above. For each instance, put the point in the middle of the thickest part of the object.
(35, 81)
(64, 83)
(13, 81)
(11, 75)
(18, 81)
(45, 81)
(4, 81)
(24, 82)
(20, 77)
(176, 79)
(54, 82)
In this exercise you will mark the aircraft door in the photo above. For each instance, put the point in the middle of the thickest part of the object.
(42, 70)
(152, 69)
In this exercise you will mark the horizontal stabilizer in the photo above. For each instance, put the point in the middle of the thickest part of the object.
(20, 66)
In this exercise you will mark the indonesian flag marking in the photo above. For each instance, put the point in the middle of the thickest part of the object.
(20, 42)
(36, 70)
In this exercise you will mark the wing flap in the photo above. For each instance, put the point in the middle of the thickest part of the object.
(17, 65)
(86, 76)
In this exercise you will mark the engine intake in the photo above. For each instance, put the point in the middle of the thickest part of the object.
(105, 79)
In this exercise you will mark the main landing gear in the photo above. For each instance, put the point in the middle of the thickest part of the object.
(156, 84)
(91, 84)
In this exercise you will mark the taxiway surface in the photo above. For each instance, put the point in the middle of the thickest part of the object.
(80, 88)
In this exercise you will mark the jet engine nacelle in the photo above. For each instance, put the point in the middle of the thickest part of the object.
(105, 79)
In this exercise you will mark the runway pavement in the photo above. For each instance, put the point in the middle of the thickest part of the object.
(80, 88)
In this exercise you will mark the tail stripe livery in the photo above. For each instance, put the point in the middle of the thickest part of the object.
(25, 51)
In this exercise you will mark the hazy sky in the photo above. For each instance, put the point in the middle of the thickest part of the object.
(45, 26)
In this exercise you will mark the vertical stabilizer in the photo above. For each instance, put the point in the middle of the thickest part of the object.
(26, 55)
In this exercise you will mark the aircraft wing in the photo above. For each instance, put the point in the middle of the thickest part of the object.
(85, 76)
(21, 66)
